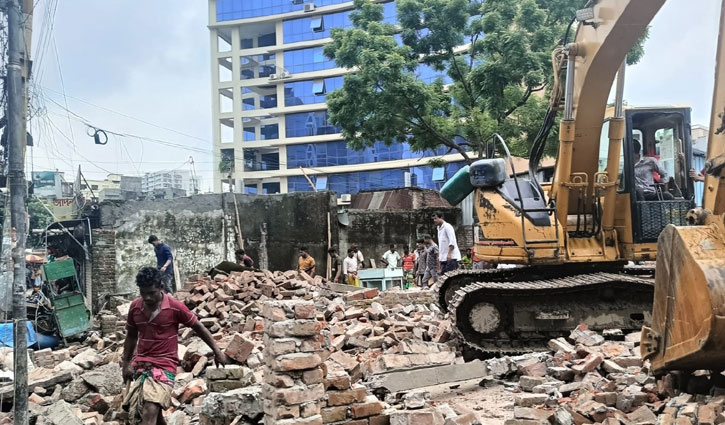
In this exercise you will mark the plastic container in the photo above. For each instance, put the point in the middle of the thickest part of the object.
(488, 172)
(458, 187)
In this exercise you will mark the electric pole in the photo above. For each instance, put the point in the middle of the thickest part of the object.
(18, 189)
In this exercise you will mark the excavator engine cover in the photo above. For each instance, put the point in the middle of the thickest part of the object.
(688, 316)
(488, 172)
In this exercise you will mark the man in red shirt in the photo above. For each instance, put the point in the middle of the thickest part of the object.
(152, 331)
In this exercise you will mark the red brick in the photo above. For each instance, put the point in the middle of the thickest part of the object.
(334, 414)
(379, 420)
(305, 311)
(371, 407)
(296, 361)
(239, 348)
(339, 398)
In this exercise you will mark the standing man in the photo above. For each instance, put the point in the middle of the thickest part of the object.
(408, 265)
(431, 261)
(306, 263)
(152, 333)
(420, 262)
(336, 266)
(359, 257)
(350, 267)
(449, 253)
(164, 261)
(391, 257)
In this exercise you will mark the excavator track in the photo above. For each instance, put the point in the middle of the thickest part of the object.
(520, 310)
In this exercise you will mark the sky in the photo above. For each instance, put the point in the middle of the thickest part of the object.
(142, 69)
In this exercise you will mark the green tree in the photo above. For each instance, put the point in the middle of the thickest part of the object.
(494, 82)
(39, 218)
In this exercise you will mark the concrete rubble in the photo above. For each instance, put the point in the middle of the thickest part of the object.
(303, 352)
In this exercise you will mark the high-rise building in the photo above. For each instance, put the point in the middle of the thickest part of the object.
(174, 179)
(271, 126)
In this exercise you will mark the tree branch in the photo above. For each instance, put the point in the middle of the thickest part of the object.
(519, 104)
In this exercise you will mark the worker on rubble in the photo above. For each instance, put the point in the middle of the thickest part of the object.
(335, 265)
(350, 267)
(431, 261)
(449, 254)
(152, 330)
(420, 262)
(243, 259)
(306, 263)
(408, 265)
(164, 261)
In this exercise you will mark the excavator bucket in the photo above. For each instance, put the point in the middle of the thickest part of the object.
(688, 316)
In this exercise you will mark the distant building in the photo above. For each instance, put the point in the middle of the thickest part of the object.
(174, 179)
(51, 185)
(131, 183)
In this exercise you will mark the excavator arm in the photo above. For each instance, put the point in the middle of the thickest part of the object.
(688, 316)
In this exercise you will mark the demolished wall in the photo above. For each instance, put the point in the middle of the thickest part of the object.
(201, 230)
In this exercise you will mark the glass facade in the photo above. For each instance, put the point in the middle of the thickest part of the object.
(328, 154)
(310, 91)
(228, 10)
(314, 123)
(357, 181)
(317, 27)
(427, 74)
(306, 60)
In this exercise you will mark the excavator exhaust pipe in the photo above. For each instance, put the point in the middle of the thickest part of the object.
(688, 316)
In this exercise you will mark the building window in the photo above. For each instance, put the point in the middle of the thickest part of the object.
(250, 189)
(269, 131)
(224, 40)
(309, 124)
(307, 92)
(249, 134)
(225, 70)
(266, 40)
(226, 130)
(248, 104)
(317, 25)
(257, 66)
(247, 43)
(306, 60)
(226, 101)
(270, 188)
(268, 101)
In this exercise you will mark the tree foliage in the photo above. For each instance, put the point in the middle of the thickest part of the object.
(499, 85)
(39, 218)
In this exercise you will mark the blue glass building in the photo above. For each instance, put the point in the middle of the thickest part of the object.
(272, 131)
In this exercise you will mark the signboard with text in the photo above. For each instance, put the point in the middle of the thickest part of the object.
(63, 208)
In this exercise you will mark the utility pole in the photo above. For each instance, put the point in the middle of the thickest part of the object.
(18, 190)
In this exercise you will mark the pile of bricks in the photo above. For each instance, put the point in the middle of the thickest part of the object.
(293, 390)
(593, 378)
(347, 401)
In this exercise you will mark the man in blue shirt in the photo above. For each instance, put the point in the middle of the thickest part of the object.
(164, 261)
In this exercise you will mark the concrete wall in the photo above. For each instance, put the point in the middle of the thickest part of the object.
(373, 231)
(201, 231)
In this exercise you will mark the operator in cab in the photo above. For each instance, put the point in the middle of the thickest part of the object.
(644, 181)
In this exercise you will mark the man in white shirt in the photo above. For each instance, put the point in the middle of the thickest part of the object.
(349, 268)
(391, 257)
(449, 255)
(359, 256)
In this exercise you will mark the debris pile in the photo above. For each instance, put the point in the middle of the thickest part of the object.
(593, 378)
(307, 349)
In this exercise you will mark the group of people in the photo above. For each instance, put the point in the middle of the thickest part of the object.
(420, 267)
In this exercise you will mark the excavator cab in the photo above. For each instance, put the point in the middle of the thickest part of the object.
(663, 135)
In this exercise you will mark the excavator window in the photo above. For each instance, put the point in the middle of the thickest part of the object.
(604, 151)
(661, 133)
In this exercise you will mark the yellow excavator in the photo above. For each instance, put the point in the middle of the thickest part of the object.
(583, 241)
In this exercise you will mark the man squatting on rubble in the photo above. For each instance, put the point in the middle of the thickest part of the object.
(152, 331)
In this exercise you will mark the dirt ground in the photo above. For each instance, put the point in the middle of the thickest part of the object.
(491, 405)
